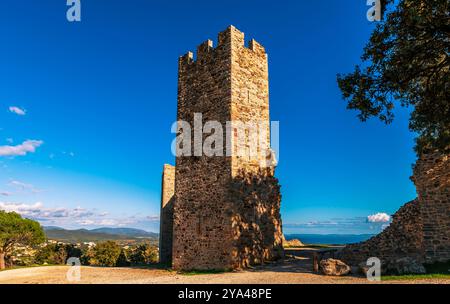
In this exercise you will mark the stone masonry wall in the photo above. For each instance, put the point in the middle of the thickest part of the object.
(201, 215)
(256, 220)
(166, 218)
(432, 180)
(420, 230)
(257, 229)
(211, 213)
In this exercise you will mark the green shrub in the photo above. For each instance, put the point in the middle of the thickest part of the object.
(104, 254)
(122, 260)
(143, 254)
(56, 254)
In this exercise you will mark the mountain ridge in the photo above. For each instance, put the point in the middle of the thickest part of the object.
(98, 234)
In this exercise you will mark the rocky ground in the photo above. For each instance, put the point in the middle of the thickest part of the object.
(294, 270)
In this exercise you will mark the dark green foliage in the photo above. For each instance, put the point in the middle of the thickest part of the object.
(57, 254)
(122, 260)
(406, 62)
(143, 254)
(111, 254)
(87, 256)
(105, 254)
(16, 230)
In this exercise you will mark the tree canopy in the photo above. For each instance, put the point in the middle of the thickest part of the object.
(16, 230)
(406, 62)
(105, 254)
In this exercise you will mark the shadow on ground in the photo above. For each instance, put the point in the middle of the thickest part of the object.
(298, 260)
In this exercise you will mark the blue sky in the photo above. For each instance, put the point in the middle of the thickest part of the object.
(99, 98)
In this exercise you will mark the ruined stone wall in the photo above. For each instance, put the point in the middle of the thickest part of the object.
(166, 217)
(420, 230)
(216, 198)
(432, 180)
(403, 238)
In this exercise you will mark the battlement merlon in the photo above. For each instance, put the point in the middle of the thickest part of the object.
(256, 47)
(231, 38)
(187, 58)
(204, 49)
(236, 38)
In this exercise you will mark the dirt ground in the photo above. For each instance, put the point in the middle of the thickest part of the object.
(294, 270)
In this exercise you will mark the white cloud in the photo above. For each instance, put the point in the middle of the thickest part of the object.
(17, 110)
(28, 146)
(78, 216)
(37, 211)
(379, 218)
(23, 209)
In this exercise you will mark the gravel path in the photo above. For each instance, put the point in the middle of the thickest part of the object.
(295, 270)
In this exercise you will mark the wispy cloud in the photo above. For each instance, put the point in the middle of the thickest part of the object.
(24, 187)
(28, 146)
(17, 110)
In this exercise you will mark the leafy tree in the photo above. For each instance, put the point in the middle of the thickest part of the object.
(144, 254)
(122, 260)
(86, 256)
(56, 254)
(16, 230)
(105, 254)
(406, 62)
(51, 254)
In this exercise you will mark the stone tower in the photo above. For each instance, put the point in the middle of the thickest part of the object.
(226, 212)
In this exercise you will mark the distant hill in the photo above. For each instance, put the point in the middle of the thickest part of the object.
(125, 231)
(100, 234)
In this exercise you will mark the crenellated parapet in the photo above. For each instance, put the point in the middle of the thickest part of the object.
(229, 41)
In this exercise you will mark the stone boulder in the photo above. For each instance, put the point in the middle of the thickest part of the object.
(292, 243)
(333, 267)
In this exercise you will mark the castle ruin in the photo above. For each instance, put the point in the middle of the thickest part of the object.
(222, 212)
(420, 231)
